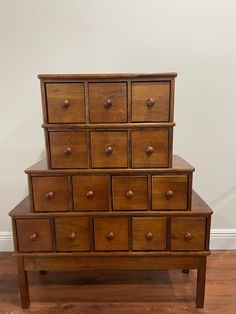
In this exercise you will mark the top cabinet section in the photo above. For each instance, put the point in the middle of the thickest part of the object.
(107, 98)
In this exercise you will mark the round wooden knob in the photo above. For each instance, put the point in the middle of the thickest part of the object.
(66, 104)
(188, 236)
(149, 236)
(89, 194)
(109, 150)
(110, 236)
(169, 194)
(72, 236)
(33, 236)
(129, 194)
(108, 103)
(149, 150)
(49, 195)
(150, 102)
(67, 151)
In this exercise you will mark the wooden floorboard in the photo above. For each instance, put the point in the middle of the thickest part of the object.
(123, 292)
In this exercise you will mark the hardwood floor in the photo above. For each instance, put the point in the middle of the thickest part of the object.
(130, 292)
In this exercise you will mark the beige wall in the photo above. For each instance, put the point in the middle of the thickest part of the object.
(195, 38)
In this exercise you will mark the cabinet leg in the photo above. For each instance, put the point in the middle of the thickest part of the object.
(185, 271)
(201, 280)
(42, 272)
(23, 283)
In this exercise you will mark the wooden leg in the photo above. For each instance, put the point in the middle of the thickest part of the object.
(23, 283)
(42, 272)
(201, 279)
(185, 271)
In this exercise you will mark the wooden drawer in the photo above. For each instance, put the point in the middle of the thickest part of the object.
(107, 102)
(150, 148)
(111, 234)
(148, 234)
(90, 192)
(150, 101)
(72, 234)
(68, 149)
(65, 102)
(50, 193)
(109, 149)
(34, 235)
(170, 192)
(188, 234)
(129, 193)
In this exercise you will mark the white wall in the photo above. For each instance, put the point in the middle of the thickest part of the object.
(195, 38)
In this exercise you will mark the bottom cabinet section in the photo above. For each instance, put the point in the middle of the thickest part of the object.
(148, 234)
(34, 235)
(72, 234)
(111, 234)
(188, 234)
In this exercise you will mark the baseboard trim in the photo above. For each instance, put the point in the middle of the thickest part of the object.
(221, 239)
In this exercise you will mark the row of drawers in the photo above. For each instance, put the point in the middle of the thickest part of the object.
(107, 102)
(105, 192)
(110, 149)
(110, 234)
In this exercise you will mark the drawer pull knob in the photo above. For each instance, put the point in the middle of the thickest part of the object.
(72, 236)
(149, 236)
(149, 150)
(188, 236)
(150, 102)
(66, 104)
(67, 151)
(110, 236)
(129, 194)
(89, 194)
(169, 194)
(108, 103)
(34, 236)
(49, 195)
(109, 150)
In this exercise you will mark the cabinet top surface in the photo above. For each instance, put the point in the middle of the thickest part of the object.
(199, 208)
(178, 165)
(106, 75)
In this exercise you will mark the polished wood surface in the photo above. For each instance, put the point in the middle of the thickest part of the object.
(65, 103)
(116, 292)
(149, 234)
(129, 192)
(150, 148)
(91, 192)
(34, 235)
(150, 101)
(50, 193)
(107, 102)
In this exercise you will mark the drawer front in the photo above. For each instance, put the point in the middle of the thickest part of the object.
(111, 234)
(68, 149)
(90, 193)
(150, 148)
(188, 234)
(129, 193)
(72, 234)
(109, 149)
(107, 102)
(150, 102)
(170, 192)
(148, 234)
(34, 235)
(50, 193)
(65, 102)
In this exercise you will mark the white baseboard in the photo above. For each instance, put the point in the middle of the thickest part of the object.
(221, 239)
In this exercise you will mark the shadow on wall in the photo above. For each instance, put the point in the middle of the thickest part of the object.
(21, 148)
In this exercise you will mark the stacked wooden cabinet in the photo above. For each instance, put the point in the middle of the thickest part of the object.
(110, 195)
